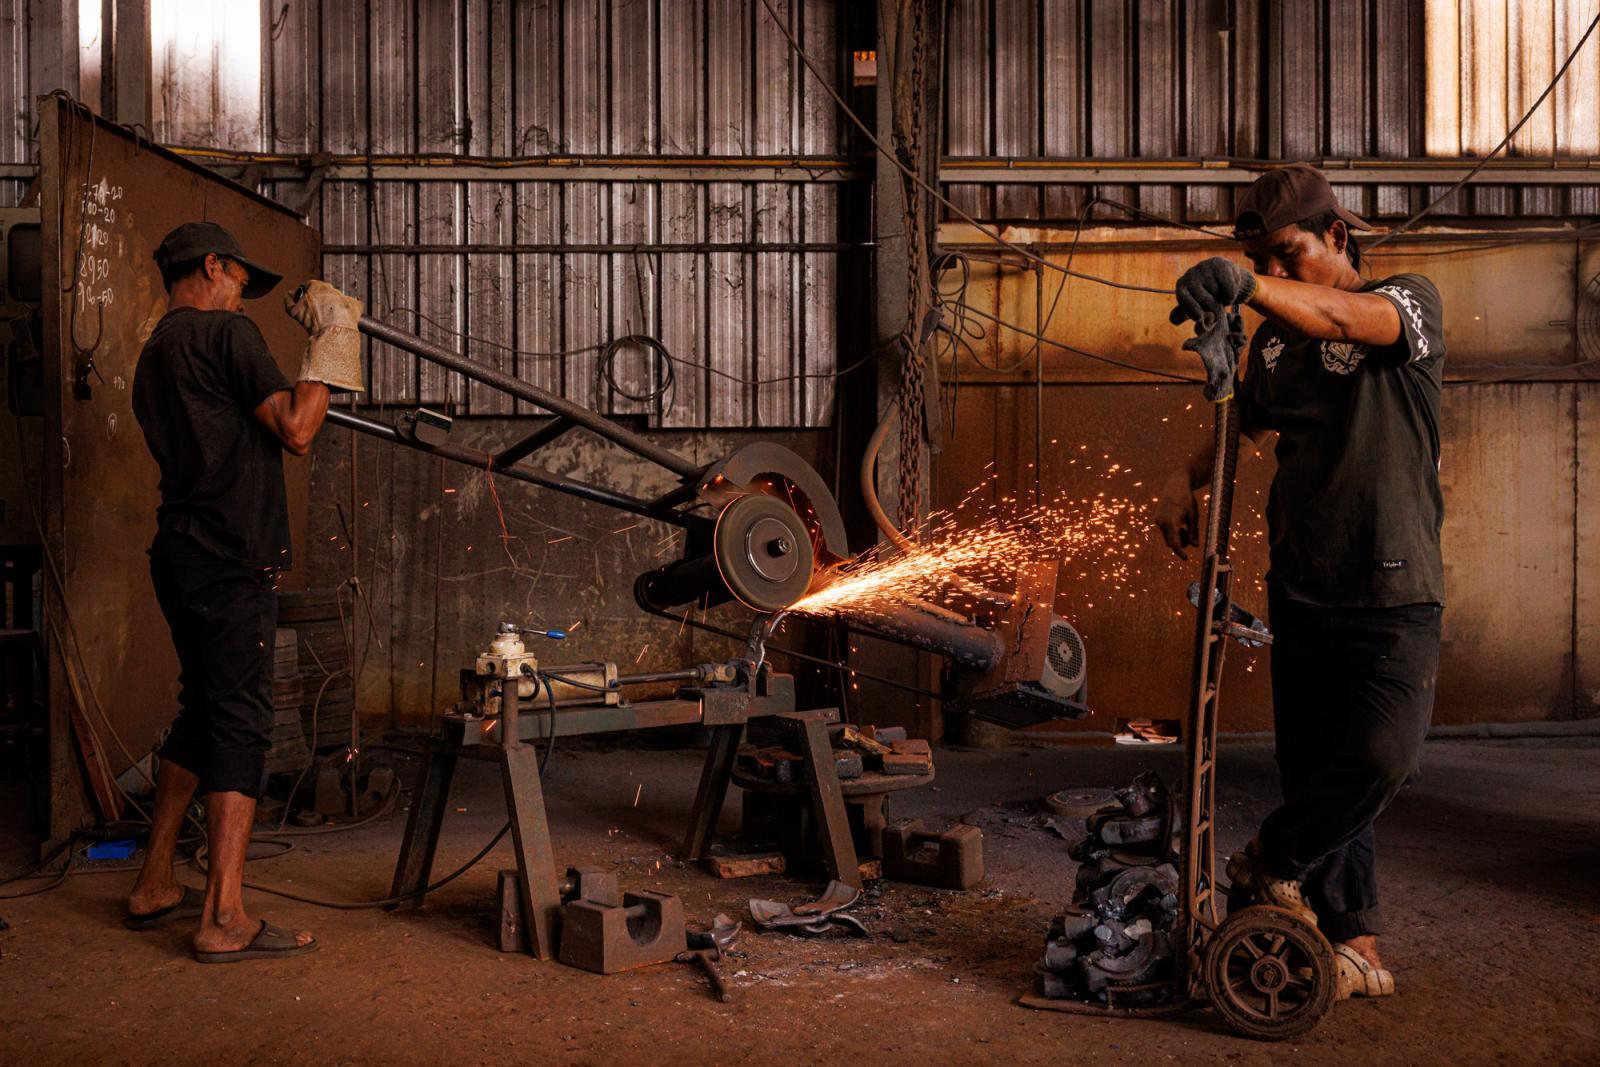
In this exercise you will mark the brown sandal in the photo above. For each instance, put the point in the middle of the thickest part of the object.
(270, 942)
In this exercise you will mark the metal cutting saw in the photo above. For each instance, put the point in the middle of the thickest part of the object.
(762, 527)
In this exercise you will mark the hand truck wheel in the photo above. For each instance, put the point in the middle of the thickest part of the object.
(1270, 974)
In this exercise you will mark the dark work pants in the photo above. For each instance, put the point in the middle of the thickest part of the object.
(223, 617)
(1352, 695)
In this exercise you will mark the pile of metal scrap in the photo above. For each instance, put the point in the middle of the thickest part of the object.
(1116, 938)
(857, 750)
(813, 918)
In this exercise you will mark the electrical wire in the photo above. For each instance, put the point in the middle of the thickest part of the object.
(33, 871)
(1113, 361)
(615, 344)
(359, 905)
(917, 180)
(1484, 162)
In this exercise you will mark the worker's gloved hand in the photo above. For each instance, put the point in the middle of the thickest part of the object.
(1218, 341)
(1209, 287)
(333, 353)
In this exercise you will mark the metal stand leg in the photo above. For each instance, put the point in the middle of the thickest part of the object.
(827, 800)
(428, 805)
(713, 790)
(530, 830)
(530, 839)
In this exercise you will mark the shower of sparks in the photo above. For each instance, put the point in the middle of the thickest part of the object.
(988, 546)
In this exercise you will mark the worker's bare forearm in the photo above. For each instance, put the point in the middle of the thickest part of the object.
(295, 415)
(1326, 313)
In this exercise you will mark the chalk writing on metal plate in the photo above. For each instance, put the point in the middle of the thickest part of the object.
(102, 241)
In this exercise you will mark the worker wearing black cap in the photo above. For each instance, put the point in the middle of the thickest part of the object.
(1348, 373)
(217, 415)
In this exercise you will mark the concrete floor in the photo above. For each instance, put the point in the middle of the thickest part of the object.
(1491, 863)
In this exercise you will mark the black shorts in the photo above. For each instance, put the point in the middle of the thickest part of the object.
(224, 617)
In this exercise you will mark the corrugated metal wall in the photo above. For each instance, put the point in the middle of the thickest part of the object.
(1145, 80)
(1261, 79)
(19, 83)
(636, 78)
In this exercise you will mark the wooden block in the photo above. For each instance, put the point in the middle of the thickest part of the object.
(855, 739)
(906, 763)
(915, 747)
(747, 866)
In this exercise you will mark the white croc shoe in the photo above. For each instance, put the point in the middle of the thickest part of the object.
(1358, 977)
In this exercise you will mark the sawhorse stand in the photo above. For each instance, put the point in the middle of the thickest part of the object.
(507, 740)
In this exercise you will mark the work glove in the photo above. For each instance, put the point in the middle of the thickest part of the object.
(1210, 286)
(333, 352)
(1217, 342)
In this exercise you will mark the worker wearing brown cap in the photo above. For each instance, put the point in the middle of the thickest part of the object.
(218, 415)
(1348, 373)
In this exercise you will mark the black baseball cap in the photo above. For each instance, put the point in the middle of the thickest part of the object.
(196, 240)
(1287, 195)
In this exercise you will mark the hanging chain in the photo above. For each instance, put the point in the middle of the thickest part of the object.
(910, 92)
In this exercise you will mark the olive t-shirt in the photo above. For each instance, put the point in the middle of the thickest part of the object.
(1355, 509)
(200, 378)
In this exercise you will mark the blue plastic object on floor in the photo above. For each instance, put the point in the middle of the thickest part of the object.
(112, 850)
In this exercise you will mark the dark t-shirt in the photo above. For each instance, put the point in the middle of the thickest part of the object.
(1355, 510)
(200, 377)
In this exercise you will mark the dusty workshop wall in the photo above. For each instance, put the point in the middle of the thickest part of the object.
(1157, 80)
(736, 278)
(1522, 629)
(1137, 628)
(439, 577)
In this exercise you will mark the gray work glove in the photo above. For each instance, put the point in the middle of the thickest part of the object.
(1209, 287)
(333, 353)
(1218, 341)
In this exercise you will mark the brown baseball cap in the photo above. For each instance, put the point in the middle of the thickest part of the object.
(1284, 196)
(196, 240)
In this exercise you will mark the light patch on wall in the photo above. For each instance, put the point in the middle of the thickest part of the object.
(206, 56)
(1487, 62)
(89, 53)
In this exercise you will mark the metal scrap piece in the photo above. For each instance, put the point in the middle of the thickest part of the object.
(836, 896)
(816, 917)
(776, 913)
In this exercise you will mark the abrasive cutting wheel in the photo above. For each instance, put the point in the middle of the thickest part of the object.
(763, 552)
(1270, 974)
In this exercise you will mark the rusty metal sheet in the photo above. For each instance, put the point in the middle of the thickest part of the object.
(1510, 517)
(1491, 327)
(1586, 576)
(1139, 631)
(1511, 532)
(99, 478)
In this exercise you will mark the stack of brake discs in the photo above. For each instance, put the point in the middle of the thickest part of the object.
(288, 751)
(1117, 934)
